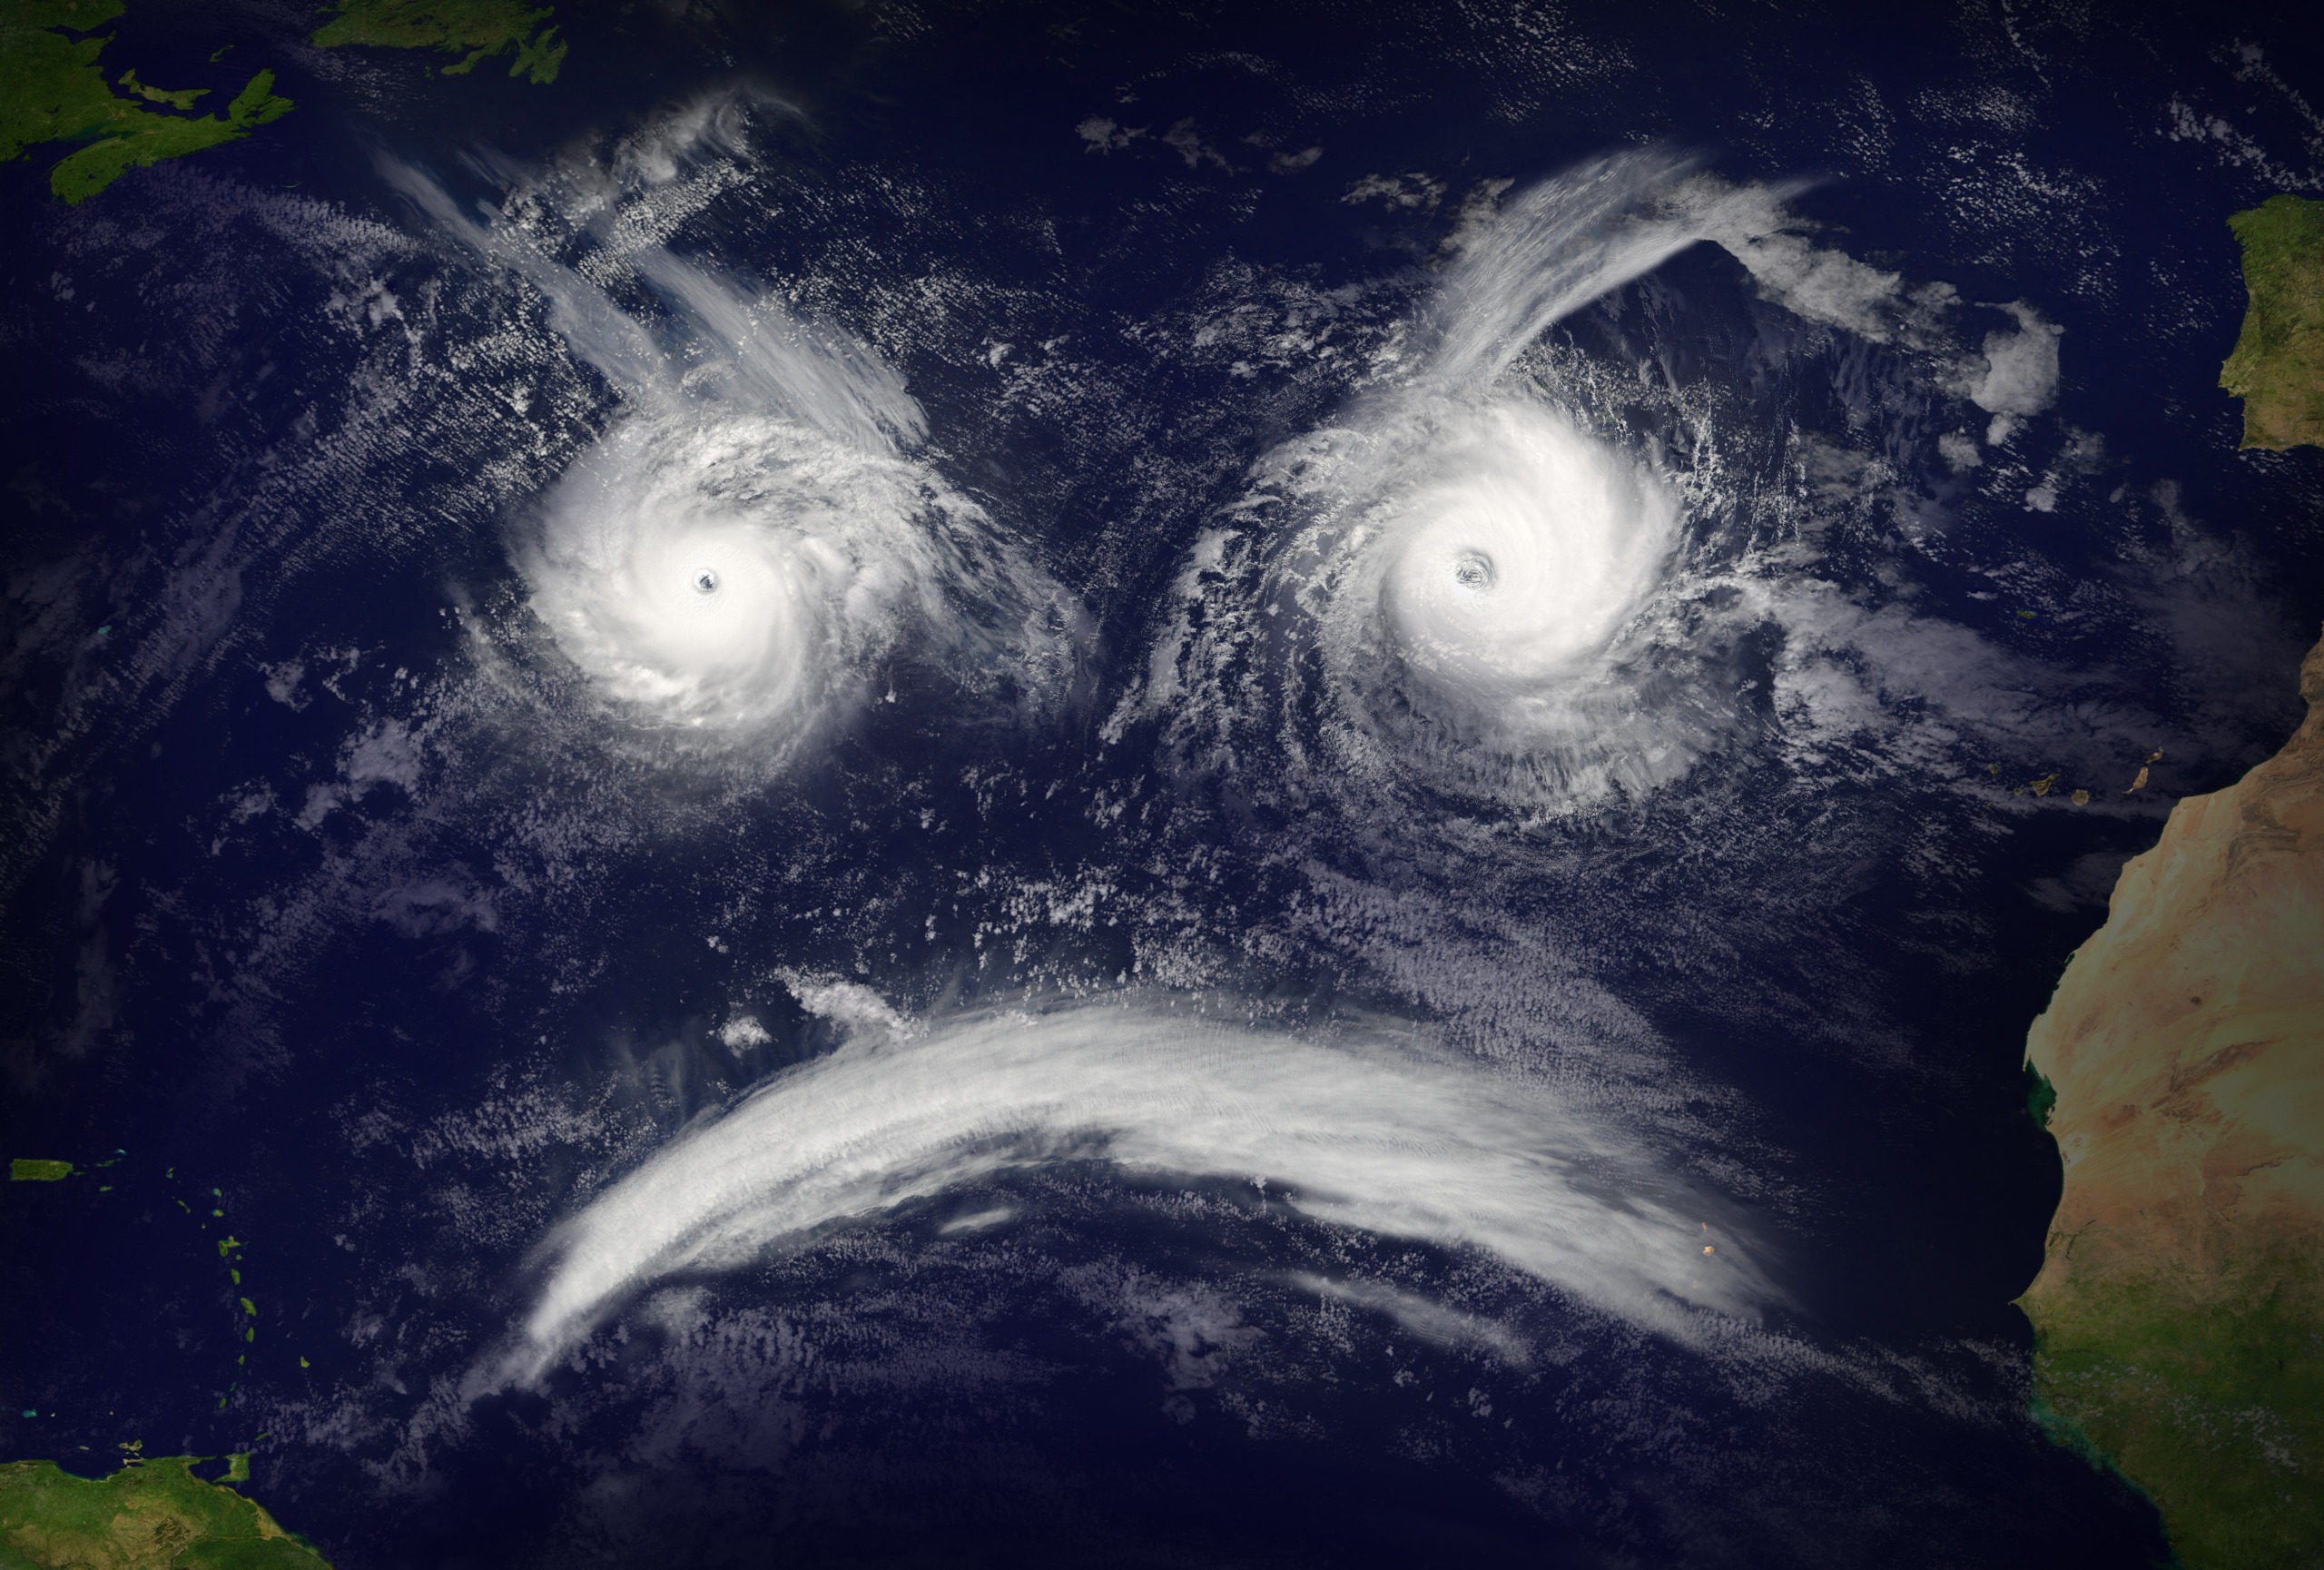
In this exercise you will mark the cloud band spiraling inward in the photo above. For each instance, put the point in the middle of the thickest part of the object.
(752, 542)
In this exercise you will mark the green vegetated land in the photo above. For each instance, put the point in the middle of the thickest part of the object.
(152, 1514)
(2209, 1395)
(2277, 365)
(53, 89)
(474, 30)
(30, 1170)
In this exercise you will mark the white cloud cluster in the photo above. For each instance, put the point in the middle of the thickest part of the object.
(1752, 224)
(2015, 377)
(2019, 377)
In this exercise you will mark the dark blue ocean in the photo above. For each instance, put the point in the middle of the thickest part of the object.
(351, 924)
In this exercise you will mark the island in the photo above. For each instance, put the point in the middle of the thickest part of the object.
(474, 30)
(52, 89)
(34, 1169)
(2179, 1314)
(152, 1514)
(2278, 366)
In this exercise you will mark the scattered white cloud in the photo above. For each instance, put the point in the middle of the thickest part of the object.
(1431, 1321)
(1959, 451)
(1104, 136)
(1405, 191)
(1189, 145)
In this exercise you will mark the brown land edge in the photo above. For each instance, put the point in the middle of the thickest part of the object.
(2179, 1314)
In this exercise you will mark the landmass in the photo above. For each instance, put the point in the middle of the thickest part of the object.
(2278, 366)
(474, 30)
(52, 89)
(27, 1169)
(2179, 1315)
(152, 1514)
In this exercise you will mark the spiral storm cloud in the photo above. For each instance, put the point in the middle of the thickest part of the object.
(750, 551)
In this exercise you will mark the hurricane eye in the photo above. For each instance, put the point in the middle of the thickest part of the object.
(1473, 570)
(705, 582)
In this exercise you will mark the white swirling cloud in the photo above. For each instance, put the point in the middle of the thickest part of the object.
(1508, 551)
(1365, 1127)
(1480, 584)
(751, 540)
(1486, 583)
(740, 572)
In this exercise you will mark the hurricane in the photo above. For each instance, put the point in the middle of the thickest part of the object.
(1528, 548)
(742, 573)
(1516, 575)
(752, 550)
(1480, 595)
(1028, 786)
(1466, 581)
(1364, 1126)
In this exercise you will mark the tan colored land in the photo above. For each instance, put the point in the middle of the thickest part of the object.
(2186, 1041)
(2180, 1308)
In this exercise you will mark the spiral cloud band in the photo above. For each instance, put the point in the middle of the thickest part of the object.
(749, 546)
(734, 573)
(1518, 553)
(1484, 581)
(1363, 1130)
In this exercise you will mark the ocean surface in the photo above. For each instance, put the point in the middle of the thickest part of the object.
(922, 785)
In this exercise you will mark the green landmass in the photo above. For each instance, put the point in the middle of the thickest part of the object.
(2041, 1097)
(474, 30)
(2208, 1393)
(25, 1170)
(184, 100)
(152, 1514)
(52, 89)
(2278, 366)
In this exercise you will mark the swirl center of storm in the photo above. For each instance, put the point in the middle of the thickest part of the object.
(752, 541)
(1521, 554)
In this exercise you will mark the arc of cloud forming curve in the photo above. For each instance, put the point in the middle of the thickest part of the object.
(1564, 241)
(1370, 1131)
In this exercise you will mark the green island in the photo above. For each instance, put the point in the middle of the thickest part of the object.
(150, 1514)
(52, 89)
(28, 1169)
(2277, 368)
(474, 30)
